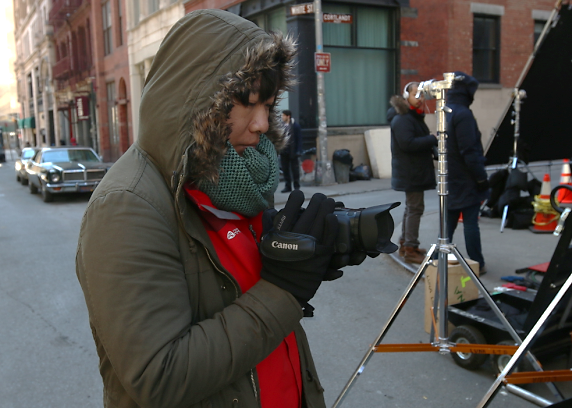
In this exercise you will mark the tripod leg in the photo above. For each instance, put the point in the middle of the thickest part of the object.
(504, 214)
(499, 314)
(526, 343)
(385, 328)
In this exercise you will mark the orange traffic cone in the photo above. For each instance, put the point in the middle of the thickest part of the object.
(564, 195)
(545, 217)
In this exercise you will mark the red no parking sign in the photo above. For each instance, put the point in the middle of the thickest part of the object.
(322, 61)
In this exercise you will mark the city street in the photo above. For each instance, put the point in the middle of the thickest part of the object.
(48, 358)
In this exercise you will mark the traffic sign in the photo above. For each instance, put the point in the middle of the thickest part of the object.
(322, 61)
(305, 8)
(338, 18)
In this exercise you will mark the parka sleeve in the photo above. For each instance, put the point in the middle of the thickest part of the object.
(130, 269)
(404, 131)
(469, 143)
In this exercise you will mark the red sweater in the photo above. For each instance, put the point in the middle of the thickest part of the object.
(235, 242)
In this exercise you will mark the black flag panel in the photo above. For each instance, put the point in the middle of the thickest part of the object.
(546, 113)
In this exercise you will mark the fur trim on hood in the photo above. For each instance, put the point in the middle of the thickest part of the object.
(206, 58)
(400, 104)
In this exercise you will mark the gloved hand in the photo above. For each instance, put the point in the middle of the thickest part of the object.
(482, 185)
(296, 250)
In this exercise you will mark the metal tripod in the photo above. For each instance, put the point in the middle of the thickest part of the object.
(512, 181)
(437, 89)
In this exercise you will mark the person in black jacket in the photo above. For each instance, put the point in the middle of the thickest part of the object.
(468, 181)
(412, 167)
(291, 152)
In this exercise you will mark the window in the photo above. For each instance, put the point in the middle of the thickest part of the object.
(538, 27)
(106, 14)
(364, 51)
(30, 86)
(275, 20)
(119, 24)
(152, 6)
(486, 48)
(136, 12)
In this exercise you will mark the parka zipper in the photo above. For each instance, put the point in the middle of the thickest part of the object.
(237, 294)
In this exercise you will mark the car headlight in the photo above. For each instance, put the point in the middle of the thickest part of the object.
(55, 177)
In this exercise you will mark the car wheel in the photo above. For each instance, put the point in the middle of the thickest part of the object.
(18, 178)
(24, 181)
(468, 335)
(33, 188)
(46, 195)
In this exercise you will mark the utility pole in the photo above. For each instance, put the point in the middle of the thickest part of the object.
(324, 170)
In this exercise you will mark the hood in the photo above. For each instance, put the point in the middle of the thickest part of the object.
(463, 91)
(400, 105)
(206, 58)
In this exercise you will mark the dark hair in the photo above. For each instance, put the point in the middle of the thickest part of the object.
(272, 78)
(287, 112)
(267, 86)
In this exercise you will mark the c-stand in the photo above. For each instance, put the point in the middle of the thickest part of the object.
(516, 180)
(437, 89)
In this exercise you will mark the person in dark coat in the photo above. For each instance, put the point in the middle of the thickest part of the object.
(291, 152)
(412, 167)
(468, 181)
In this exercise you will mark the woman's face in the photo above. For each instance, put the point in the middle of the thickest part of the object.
(249, 122)
(413, 101)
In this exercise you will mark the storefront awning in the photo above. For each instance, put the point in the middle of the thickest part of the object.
(27, 123)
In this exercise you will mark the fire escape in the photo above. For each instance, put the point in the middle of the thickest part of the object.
(61, 12)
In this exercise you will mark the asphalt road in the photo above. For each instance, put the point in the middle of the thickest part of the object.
(48, 358)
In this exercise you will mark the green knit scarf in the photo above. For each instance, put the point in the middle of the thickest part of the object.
(245, 182)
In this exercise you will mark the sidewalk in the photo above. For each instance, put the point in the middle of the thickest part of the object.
(504, 252)
(336, 190)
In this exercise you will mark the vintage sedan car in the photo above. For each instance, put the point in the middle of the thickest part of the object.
(67, 169)
(20, 165)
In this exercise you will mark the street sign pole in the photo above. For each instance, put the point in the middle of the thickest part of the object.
(324, 170)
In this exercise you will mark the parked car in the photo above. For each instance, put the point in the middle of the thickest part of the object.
(20, 165)
(68, 169)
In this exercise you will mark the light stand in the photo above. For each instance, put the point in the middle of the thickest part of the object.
(437, 89)
(514, 179)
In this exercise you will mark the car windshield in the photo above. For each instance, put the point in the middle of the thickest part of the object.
(74, 155)
(28, 154)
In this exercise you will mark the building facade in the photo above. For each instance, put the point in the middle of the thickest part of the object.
(9, 106)
(148, 22)
(34, 58)
(73, 73)
(111, 82)
(490, 40)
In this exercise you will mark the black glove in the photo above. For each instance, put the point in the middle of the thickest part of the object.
(297, 249)
(482, 185)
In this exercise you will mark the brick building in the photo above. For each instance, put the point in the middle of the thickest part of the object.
(32, 68)
(91, 75)
(72, 72)
(112, 85)
(490, 40)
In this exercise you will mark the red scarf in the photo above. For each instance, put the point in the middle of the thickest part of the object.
(418, 110)
(279, 374)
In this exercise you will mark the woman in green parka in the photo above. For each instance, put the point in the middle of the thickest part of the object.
(184, 309)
